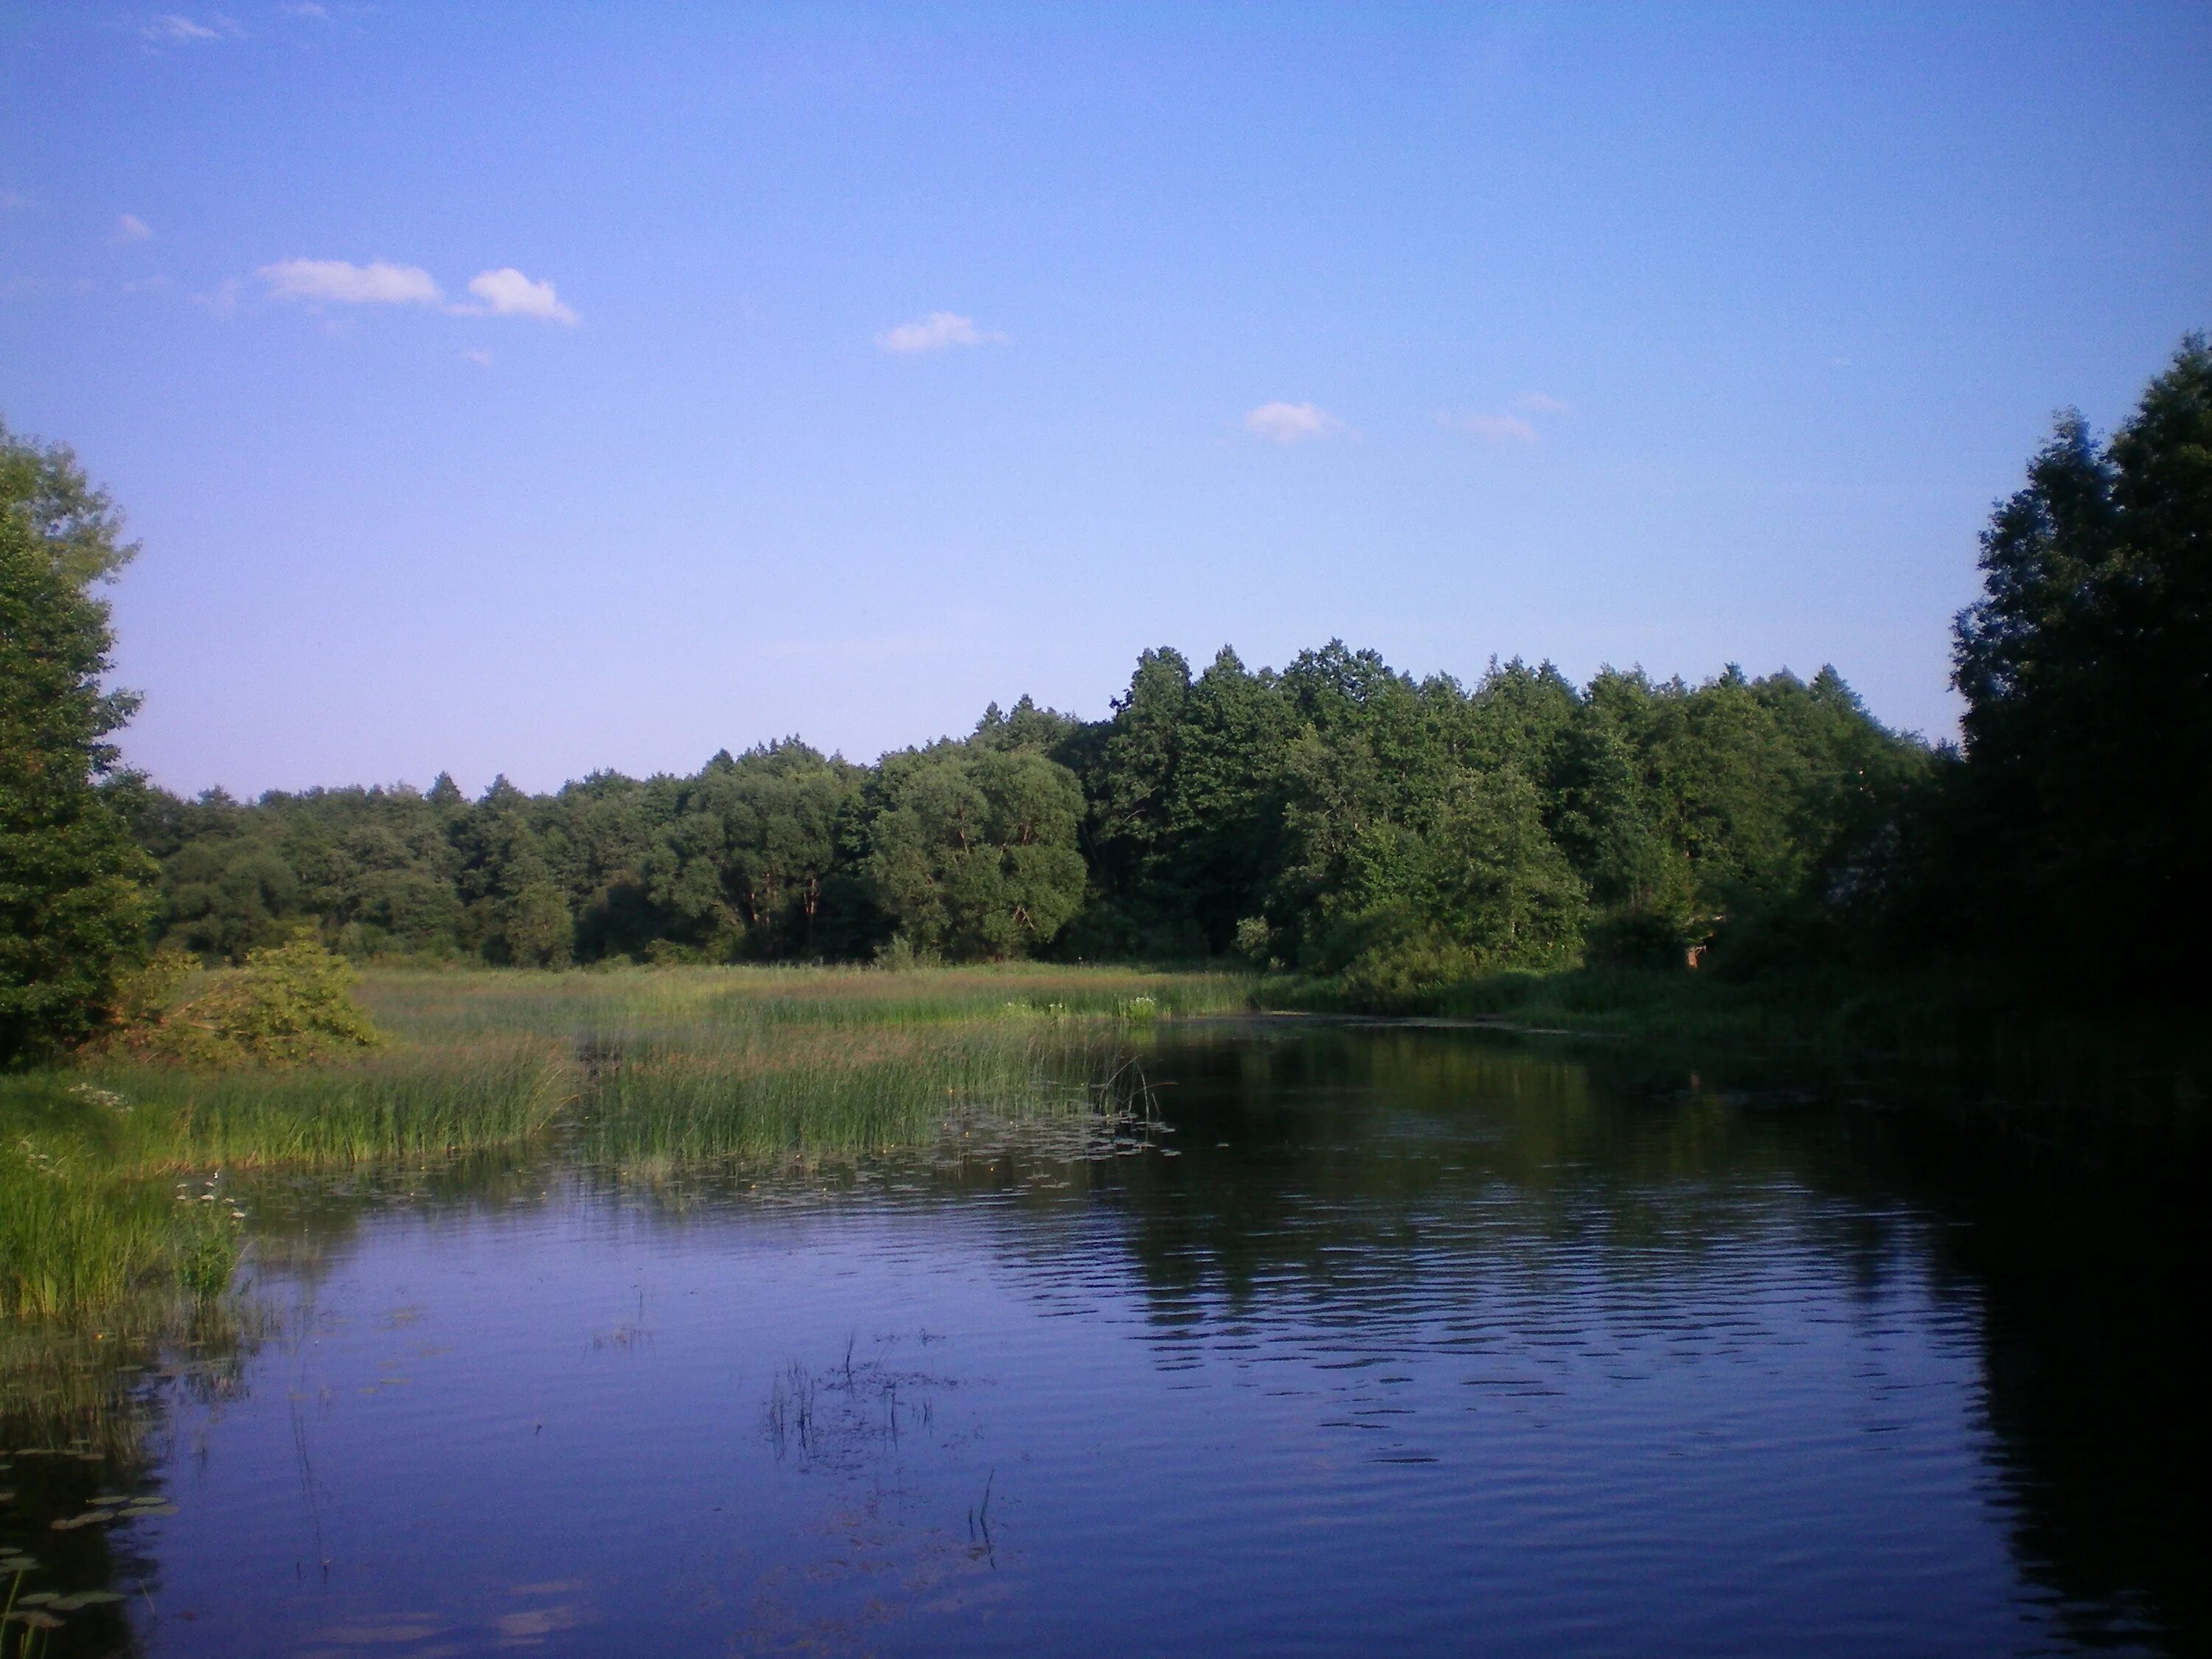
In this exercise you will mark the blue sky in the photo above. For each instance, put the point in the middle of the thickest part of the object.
(543, 388)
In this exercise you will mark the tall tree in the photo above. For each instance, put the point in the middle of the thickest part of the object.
(73, 905)
(974, 853)
(2076, 828)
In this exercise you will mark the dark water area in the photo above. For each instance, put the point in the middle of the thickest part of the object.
(1381, 1341)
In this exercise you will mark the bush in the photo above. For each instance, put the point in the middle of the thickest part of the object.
(289, 1003)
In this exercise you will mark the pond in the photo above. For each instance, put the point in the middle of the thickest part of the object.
(1373, 1339)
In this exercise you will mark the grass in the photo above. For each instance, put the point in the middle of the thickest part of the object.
(78, 1229)
(98, 1165)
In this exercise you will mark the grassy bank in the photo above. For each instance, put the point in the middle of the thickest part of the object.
(104, 1168)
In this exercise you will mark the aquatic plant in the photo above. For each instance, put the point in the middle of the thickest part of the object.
(79, 1229)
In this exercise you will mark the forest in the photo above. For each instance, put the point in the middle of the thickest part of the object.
(1335, 816)
(1335, 819)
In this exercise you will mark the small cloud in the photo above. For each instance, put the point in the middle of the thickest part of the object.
(174, 29)
(306, 9)
(1538, 403)
(177, 30)
(129, 228)
(478, 355)
(224, 300)
(508, 293)
(146, 284)
(934, 332)
(378, 282)
(1490, 428)
(10, 199)
(1290, 423)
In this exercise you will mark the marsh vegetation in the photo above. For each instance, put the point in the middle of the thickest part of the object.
(116, 1173)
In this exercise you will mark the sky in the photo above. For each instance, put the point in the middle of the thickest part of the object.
(539, 389)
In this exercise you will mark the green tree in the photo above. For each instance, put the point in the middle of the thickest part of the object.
(2075, 828)
(517, 909)
(974, 853)
(743, 867)
(73, 904)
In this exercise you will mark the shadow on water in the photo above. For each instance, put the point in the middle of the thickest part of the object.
(1330, 1170)
(89, 1418)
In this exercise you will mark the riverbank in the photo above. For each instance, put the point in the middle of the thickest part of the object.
(1976, 1033)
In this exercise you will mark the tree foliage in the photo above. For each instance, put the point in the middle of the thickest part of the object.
(2074, 830)
(971, 850)
(1335, 816)
(72, 901)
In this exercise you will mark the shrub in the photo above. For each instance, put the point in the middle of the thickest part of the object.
(289, 1003)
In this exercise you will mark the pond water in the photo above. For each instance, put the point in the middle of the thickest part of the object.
(1380, 1340)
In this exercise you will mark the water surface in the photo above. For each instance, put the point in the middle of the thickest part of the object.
(1383, 1340)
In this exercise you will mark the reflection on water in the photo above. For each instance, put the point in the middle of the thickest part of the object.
(1376, 1339)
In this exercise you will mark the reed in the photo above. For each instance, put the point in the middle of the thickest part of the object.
(98, 1164)
(810, 1092)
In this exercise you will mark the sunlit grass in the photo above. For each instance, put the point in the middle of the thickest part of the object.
(97, 1164)
(79, 1228)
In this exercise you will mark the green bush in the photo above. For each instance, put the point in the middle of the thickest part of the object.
(288, 1004)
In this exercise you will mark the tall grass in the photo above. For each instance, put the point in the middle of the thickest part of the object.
(421, 1099)
(643, 1065)
(434, 1007)
(839, 1092)
(77, 1229)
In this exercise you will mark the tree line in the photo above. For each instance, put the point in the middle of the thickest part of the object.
(1328, 816)
(1335, 816)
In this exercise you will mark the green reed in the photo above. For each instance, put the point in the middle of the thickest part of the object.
(836, 1091)
(97, 1165)
(80, 1225)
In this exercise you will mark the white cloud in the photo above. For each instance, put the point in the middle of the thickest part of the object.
(378, 282)
(1538, 403)
(508, 293)
(1290, 423)
(306, 9)
(129, 228)
(1492, 428)
(172, 27)
(478, 355)
(934, 332)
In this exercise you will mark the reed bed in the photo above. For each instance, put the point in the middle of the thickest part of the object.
(450, 1006)
(412, 1101)
(97, 1165)
(813, 1092)
(78, 1230)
